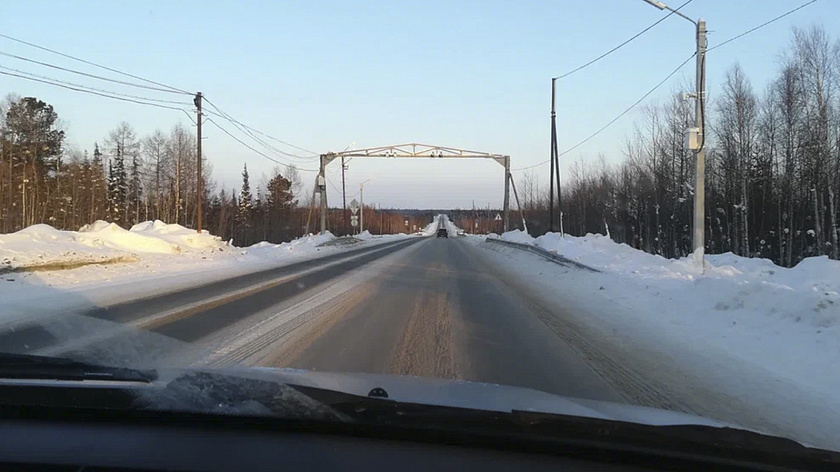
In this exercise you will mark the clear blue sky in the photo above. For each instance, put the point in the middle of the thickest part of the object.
(325, 74)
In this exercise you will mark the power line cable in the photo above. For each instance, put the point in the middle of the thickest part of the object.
(233, 120)
(332, 184)
(313, 153)
(627, 110)
(762, 25)
(252, 149)
(171, 88)
(243, 130)
(777, 18)
(77, 89)
(584, 66)
(93, 76)
(57, 81)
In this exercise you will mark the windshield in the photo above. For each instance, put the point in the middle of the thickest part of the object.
(597, 206)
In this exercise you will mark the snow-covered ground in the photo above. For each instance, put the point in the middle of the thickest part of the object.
(42, 267)
(747, 341)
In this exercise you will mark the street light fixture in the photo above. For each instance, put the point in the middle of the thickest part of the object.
(362, 205)
(696, 137)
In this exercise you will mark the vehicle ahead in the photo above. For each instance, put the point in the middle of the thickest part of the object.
(54, 410)
(442, 233)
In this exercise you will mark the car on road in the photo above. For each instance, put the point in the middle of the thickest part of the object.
(442, 233)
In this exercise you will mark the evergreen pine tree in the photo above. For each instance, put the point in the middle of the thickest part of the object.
(98, 194)
(117, 188)
(134, 191)
(243, 216)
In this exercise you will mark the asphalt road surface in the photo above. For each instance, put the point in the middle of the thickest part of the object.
(438, 310)
(420, 306)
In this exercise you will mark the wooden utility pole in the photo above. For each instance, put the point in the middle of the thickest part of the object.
(197, 102)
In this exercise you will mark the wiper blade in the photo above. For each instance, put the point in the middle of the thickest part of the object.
(680, 442)
(26, 366)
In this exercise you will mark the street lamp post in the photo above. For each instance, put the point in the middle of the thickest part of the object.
(697, 137)
(362, 205)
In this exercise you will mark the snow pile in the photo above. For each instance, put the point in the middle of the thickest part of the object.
(302, 245)
(185, 239)
(365, 235)
(112, 236)
(769, 331)
(147, 237)
(41, 246)
(516, 236)
(808, 293)
(44, 246)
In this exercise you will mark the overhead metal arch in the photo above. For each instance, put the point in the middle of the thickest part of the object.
(413, 151)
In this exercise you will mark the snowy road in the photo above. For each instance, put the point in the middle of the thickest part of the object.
(447, 308)
(425, 306)
(437, 309)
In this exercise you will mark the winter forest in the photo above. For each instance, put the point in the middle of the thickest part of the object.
(772, 163)
(773, 172)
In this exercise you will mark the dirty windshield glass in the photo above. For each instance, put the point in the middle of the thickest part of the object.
(620, 204)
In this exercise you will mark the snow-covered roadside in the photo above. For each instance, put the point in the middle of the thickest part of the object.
(747, 342)
(42, 269)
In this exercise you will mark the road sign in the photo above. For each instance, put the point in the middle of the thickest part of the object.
(354, 206)
(354, 221)
(498, 217)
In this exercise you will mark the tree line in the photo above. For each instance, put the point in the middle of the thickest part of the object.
(772, 169)
(127, 179)
(773, 174)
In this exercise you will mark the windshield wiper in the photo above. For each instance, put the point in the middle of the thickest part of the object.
(26, 366)
(576, 435)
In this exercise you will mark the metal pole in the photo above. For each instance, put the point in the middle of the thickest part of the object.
(322, 184)
(698, 245)
(551, 172)
(343, 196)
(197, 101)
(556, 172)
(311, 205)
(506, 209)
(518, 205)
(361, 207)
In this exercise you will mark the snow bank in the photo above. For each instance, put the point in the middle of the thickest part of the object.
(431, 228)
(303, 245)
(516, 236)
(42, 245)
(113, 265)
(805, 293)
(780, 325)
(808, 293)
